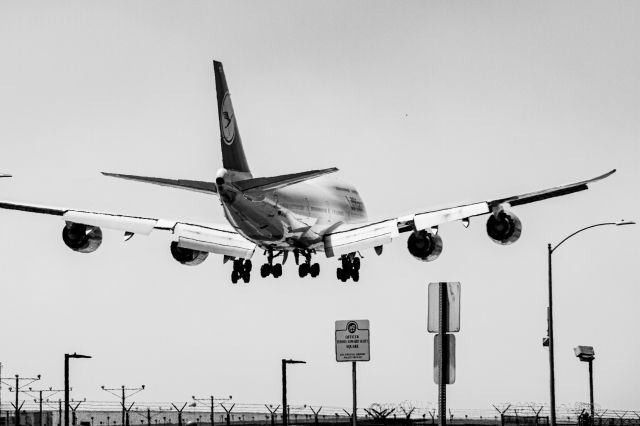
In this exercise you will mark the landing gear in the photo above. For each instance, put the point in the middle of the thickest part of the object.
(271, 269)
(350, 268)
(241, 270)
(307, 268)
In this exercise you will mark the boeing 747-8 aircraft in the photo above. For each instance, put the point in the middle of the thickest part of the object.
(303, 213)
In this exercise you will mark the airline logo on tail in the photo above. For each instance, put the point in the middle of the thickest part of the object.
(228, 120)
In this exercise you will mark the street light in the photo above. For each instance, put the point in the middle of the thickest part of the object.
(66, 383)
(587, 354)
(549, 340)
(285, 413)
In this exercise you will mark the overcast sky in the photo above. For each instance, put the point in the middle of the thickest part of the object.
(420, 104)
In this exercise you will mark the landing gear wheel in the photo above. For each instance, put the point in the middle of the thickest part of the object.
(234, 277)
(303, 270)
(276, 270)
(314, 270)
(247, 266)
(355, 276)
(246, 277)
(356, 263)
(265, 270)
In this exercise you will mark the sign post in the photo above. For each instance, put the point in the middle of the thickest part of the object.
(352, 344)
(444, 318)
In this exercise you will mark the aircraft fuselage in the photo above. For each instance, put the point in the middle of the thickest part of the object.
(295, 216)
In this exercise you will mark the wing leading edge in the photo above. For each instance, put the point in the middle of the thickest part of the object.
(348, 239)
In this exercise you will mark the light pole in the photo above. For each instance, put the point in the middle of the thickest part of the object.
(66, 383)
(549, 341)
(213, 400)
(587, 354)
(285, 412)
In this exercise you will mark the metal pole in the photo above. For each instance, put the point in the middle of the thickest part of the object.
(442, 387)
(212, 414)
(552, 373)
(59, 412)
(123, 407)
(591, 387)
(17, 419)
(148, 416)
(355, 395)
(40, 408)
(66, 389)
(284, 393)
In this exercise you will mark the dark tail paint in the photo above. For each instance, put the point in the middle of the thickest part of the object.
(233, 157)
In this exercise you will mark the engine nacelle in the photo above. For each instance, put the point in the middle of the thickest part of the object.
(187, 256)
(82, 238)
(424, 245)
(504, 228)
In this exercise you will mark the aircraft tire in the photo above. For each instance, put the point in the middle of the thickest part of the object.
(234, 277)
(303, 270)
(315, 270)
(247, 266)
(246, 277)
(277, 270)
(356, 263)
(265, 270)
(355, 275)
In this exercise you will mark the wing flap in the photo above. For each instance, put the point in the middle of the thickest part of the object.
(218, 241)
(132, 224)
(354, 239)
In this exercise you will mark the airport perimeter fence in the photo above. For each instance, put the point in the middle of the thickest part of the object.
(106, 413)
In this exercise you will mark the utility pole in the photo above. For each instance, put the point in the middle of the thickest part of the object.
(17, 406)
(228, 411)
(212, 404)
(179, 410)
(125, 393)
(50, 392)
(73, 412)
(273, 413)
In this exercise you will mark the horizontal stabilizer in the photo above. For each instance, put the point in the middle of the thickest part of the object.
(192, 185)
(270, 183)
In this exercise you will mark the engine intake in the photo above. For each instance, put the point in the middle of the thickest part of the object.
(504, 228)
(82, 238)
(187, 256)
(424, 245)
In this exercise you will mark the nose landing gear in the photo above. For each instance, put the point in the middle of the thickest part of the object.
(350, 268)
(241, 270)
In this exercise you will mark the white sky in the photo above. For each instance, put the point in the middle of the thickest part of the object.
(418, 103)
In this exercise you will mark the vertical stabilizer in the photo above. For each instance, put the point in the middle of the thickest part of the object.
(233, 157)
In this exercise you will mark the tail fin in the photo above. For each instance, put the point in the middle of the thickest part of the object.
(233, 157)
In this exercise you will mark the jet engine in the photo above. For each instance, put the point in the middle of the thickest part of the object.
(504, 228)
(82, 238)
(424, 245)
(187, 256)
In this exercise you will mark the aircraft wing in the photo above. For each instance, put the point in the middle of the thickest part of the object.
(350, 238)
(218, 239)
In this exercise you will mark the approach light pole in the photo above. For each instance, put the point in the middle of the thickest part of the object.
(587, 354)
(213, 400)
(549, 340)
(66, 383)
(285, 411)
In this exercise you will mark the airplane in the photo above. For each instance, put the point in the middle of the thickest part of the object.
(305, 213)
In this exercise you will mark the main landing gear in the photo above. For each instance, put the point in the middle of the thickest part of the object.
(271, 269)
(350, 268)
(241, 270)
(306, 268)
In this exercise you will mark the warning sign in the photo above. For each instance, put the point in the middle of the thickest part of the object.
(352, 340)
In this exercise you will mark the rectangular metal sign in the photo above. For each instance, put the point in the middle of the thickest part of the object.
(453, 302)
(450, 359)
(352, 340)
